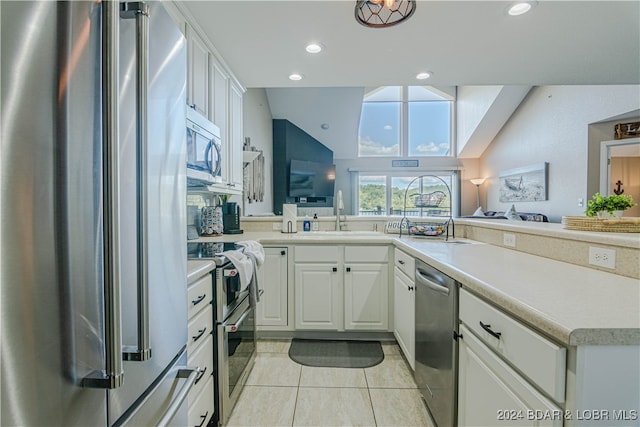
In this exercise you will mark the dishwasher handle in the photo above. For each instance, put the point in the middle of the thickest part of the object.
(425, 278)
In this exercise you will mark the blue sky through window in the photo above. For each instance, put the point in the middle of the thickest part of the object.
(429, 128)
(380, 129)
(429, 122)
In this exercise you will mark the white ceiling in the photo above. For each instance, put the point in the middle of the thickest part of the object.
(461, 42)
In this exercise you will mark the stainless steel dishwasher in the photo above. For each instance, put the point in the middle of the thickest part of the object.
(436, 356)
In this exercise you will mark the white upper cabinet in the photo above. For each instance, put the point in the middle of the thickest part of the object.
(214, 92)
(197, 73)
(236, 138)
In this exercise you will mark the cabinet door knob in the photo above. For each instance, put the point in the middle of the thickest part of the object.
(410, 288)
(401, 262)
(348, 269)
(283, 252)
(334, 269)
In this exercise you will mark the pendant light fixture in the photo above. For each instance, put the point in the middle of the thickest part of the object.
(383, 13)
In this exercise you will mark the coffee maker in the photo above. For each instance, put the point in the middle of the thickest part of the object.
(231, 218)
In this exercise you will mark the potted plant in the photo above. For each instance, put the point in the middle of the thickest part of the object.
(608, 206)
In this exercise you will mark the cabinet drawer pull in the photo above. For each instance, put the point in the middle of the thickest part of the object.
(488, 329)
(204, 418)
(200, 334)
(200, 374)
(401, 262)
(198, 299)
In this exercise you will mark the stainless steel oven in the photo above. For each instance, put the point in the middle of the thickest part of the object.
(236, 353)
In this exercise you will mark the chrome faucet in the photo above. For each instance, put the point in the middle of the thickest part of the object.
(339, 209)
(340, 223)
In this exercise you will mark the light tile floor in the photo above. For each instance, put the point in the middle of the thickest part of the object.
(280, 392)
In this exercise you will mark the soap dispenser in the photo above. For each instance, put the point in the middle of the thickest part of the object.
(314, 225)
(306, 224)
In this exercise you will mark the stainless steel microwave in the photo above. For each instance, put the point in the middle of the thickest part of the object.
(204, 149)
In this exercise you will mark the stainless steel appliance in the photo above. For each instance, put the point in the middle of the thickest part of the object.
(235, 335)
(204, 150)
(92, 217)
(436, 335)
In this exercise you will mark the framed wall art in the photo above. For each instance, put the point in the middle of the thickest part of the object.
(525, 184)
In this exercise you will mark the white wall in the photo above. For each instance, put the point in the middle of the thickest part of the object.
(552, 125)
(258, 126)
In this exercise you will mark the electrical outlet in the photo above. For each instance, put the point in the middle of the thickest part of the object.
(277, 226)
(581, 202)
(602, 257)
(509, 239)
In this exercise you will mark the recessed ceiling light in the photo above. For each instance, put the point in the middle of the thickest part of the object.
(520, 8)
(324, 126)
(314, 48)
(295, 77)
(424, 75)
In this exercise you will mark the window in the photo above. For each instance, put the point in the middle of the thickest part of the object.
(376, 192)
(403, 121)
(372, 194)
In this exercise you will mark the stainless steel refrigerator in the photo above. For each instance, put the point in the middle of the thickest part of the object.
(93, 221)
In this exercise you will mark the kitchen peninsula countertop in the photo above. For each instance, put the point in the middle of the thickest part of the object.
(572, 304)
(197, 268)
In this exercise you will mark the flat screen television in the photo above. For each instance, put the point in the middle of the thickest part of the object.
(311, 179)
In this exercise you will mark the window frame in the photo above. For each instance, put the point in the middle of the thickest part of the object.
(390, 174)
(404, 128)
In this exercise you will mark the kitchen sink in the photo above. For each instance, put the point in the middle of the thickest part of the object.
(349, 232)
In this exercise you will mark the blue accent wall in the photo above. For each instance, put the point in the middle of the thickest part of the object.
(291, 142)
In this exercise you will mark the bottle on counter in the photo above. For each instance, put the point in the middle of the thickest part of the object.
(306, 224)
(314, 224)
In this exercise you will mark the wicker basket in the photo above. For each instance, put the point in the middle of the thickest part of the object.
(431, 229)
(429, 200)
(585, 223)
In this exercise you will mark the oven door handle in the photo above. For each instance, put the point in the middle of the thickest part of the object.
(234, 326)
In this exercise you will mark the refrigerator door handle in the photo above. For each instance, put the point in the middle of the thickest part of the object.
(191, 375)
(140, 12)
(112, 376)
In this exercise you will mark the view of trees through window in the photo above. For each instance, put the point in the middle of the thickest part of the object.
(374, 199)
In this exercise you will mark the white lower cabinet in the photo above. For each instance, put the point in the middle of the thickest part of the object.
(341, 287)
(201, 405)
(404, 304)
(366, 296)
(508, 374)
(200, 349)
(491, 393)
(404, 314)
(273, 279)
(318, 299)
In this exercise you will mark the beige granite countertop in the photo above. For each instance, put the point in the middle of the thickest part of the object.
(197, 269)
(572, 304)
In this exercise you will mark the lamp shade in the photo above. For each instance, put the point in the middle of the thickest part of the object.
(477, 181)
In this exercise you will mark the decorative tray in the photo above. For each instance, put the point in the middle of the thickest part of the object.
(617, 225)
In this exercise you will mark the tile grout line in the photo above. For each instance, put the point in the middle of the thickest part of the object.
(295, 405)
(373, 411)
